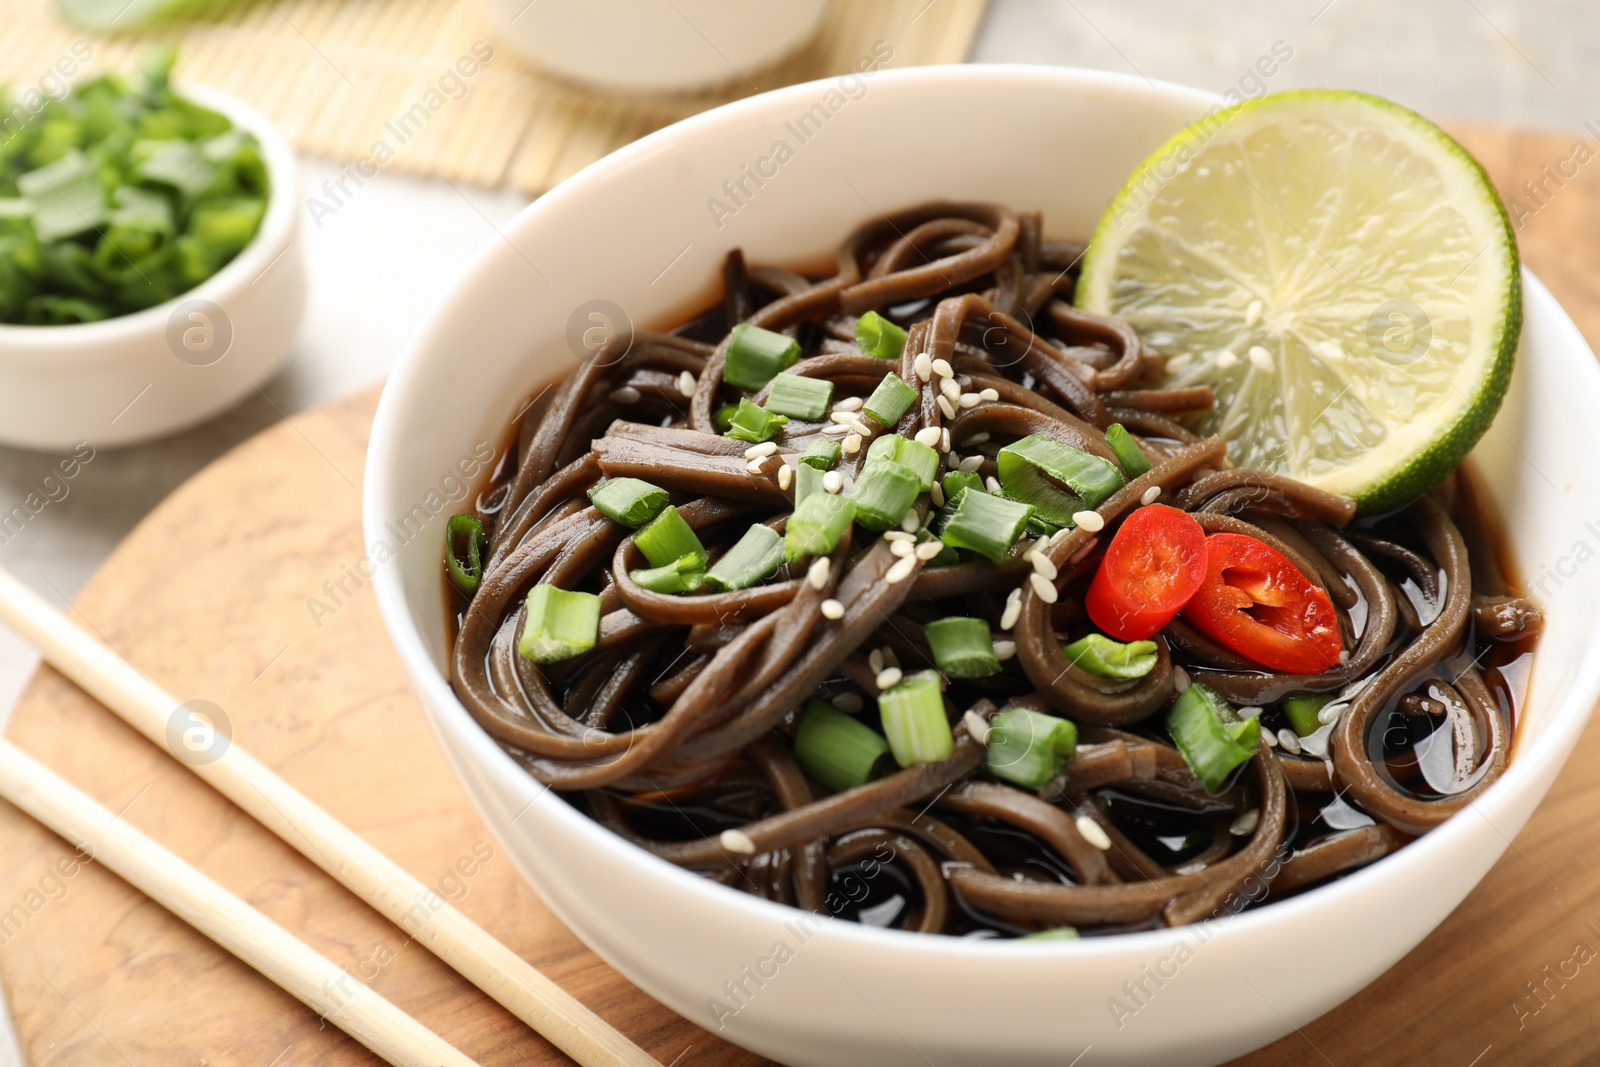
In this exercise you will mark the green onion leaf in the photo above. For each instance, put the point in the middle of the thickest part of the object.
(756, 356)
(1028, 747)
(892, 448)
(957, 482)
(914, 720)
(816, 526)
(835, 749)
(1211, 736)
(1106, 658)
(668, 538)
(800, 397)
(682, 575)
(628, 500)
(883, 493)
(1122, 445)
(889, 400)
(986, 524)
(754, 423)
(962, 647)
(1035, 469)
(465, 545)
(65, 197)
(807, 480)
(822, 453)
(560, 624)
(753, 559)
(1301, 711)
(722, 418)
(1055, 933)
(877, 336)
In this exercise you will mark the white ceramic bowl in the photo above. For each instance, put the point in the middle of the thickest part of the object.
(128, 379)
(635, 228)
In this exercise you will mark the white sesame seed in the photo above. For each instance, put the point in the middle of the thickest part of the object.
(861, 428)
(944, 439)
(1270, 738)
(942, 368)
(851, 444)
(843, 418)
(901, 570)
(923, 366)
(936, 494)
(992, 484)
(988, 394)
(950, 389)
(1250, 711)
(946, 408)
(928, 436)
(1013, 611)
(1289, 740)
(1331, 712)
(833, 481)
(1088, 520)
(686, 383)
(977, 727)
(849, 403)
(1043, 566)
(952, 460)
(875, 661)
(817, 574)
(1245, 824)
(929, 549)
(832, 609)
(765, 448)
(1252, 314)
(1344, 655)
(1180, 679)
(911, 521)
(971, 463)
(899, 535)
(968, 400)
(1093, 832)
(738, 841)
(1261, 358)
(785, 476)
(847, 702)
(836, 429)
(1004, 650)
(626, 395)
(1226, 359)
(1042, 586)
(901, 549)
(755, 465)
(1151, 495)
(975, 439)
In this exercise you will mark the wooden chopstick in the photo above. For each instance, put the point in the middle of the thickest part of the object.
(324, 840)
(221, 916)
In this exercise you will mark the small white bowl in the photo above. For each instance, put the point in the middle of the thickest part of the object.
(636, 229)
(129, 379)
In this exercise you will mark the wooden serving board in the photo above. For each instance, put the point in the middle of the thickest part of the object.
(212, 597)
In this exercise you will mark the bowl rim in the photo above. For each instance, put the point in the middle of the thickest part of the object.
(1539, 760)
(88, 341)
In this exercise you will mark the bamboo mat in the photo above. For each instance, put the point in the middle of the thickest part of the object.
(333, 74)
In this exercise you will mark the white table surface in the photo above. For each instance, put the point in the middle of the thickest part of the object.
(378, 263)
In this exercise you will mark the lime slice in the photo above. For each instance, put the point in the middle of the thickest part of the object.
(1338, 270)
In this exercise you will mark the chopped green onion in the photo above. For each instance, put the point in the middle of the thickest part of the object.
(1029, 747)
(752, 559)
(877, 336)
(962, 647)
(668, 538)
(883, 493)
(560, 624)
(756, 356)
(1035, 469)
(892, 448)
(1122, 445)
(464, 546)
(1302, 711)
(807, 480)
(957, 482)
(816, 526)
(754, 423)
(628, 500)
(800, 397)
(1106, 658)
(914, 720)
(835, 749)
(821, 453)
(889, 400)
(682, 575)
(986, 524)
(722, 418)
(1055, 933)
(1211, 736)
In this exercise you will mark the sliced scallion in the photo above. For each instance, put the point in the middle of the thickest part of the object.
(807, 480)
(682, 575)
(889, 400)
(1211, 736)
(821, 453)
(986, 524)
(883, 493)
(835, 749)
(914, 720)
(1301, 711)
(892, 448)
(816, 526)
(722, 418)
(1029, 747)
(877, 336)
(560, 624)
(752, 560)
(756, 356)
(1055, 478)
(799, 397)
(753, 423)
(1107, 658)
(962, 647)
(464, 546)
(668, 538)
(957, 482)
(1055, 933)
(629, 501)
(1121, 443)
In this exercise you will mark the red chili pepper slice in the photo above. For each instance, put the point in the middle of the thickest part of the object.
(1258, 604)
(1153, 566)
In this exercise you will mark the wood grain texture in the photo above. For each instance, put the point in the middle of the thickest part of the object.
(209, 597)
